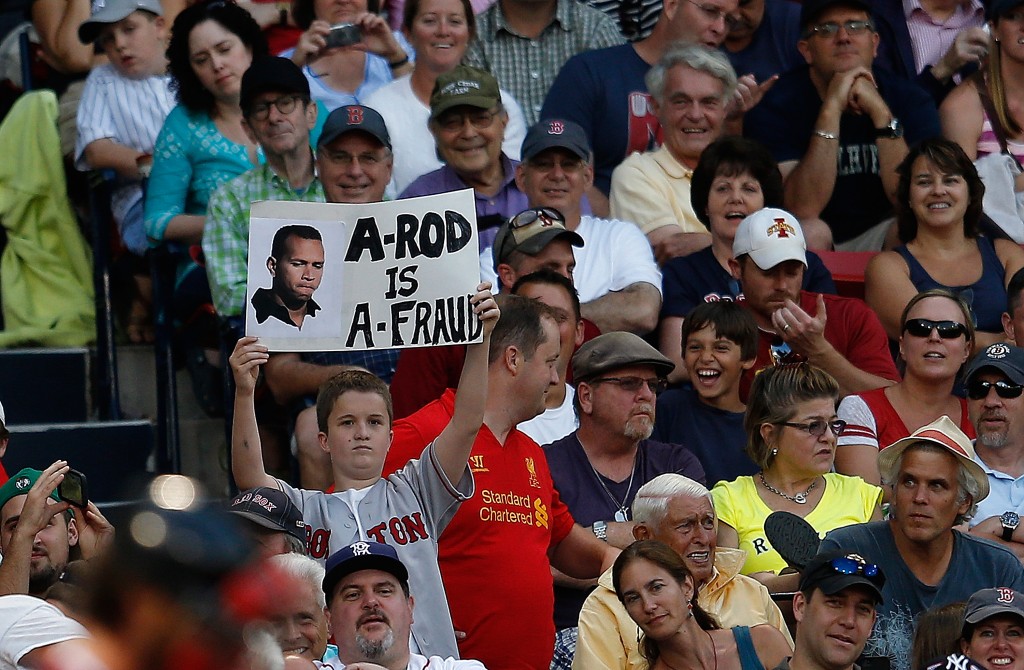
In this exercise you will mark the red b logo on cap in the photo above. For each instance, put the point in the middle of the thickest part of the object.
(1005, 594)
(556, 128)
(355, 115)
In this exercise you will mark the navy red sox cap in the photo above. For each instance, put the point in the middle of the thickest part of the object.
(812, 9)
(1006, 358)
(555, 134)
(351, 118)
(363, 556)
(270, 508)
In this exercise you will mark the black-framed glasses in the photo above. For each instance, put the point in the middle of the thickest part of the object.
(713, 13)
(634, 384)
(527, 217)
(948, 330)
(817, 427)
(853, 564)
(285, 105)
(979, 389)
(480, 119)
(830, 28)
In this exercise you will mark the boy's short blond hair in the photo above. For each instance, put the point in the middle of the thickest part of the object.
(350, 380)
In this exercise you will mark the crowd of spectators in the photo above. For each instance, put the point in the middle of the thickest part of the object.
(676, 446)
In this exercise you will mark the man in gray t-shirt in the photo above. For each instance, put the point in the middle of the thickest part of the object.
(936, 486)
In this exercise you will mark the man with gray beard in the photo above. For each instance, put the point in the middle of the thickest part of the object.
(598, 468)
(369, 610)
(995, 382)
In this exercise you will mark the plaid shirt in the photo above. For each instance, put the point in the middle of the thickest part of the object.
(526, 67)
(226, 235)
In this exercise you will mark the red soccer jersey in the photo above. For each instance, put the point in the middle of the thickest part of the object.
(494, 553)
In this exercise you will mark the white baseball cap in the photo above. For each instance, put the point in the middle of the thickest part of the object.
(770, 236)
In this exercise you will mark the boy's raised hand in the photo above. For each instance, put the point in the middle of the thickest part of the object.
(245, 362)
(485, 308)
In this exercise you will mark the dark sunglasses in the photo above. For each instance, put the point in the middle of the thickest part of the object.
(817, 426)
(852, 564)
(783, 355)
(979, 389)
(634, 384)
(523, 219)
(948, 330)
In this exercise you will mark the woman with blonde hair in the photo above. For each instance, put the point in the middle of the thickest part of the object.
(792, 429)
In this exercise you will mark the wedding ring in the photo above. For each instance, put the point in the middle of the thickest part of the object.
(785, 327)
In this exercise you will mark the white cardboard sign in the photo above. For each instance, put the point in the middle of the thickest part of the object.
(371, 276)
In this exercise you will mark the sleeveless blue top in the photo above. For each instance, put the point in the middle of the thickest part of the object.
(986, 297)
(745, 646)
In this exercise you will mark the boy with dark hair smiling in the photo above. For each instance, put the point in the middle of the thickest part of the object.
(719, 345)
(410, 508)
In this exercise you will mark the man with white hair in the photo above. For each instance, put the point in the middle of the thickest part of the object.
(692, 86)
(678, 511)
(300, 623)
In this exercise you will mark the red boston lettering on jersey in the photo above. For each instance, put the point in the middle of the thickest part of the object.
(317, 542)
(401, 531)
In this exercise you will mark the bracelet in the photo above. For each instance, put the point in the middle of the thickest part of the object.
(399, 63)
(825, 135)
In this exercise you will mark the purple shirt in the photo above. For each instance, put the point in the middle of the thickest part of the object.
(490, 210)
(931, 39)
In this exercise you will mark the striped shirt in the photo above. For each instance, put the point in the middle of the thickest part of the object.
(931, 38)
(226, 236)
(127, 111)
(635, 18)
(526, 67)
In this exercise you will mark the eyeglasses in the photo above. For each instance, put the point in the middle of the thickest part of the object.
(948, 330)
(285, 105)
(547, 215)
(852, 564)
(979, 389)
(634, 384)
(817, 426)
(481, 119)
(783, 355)
(830, 28)
(713, 13)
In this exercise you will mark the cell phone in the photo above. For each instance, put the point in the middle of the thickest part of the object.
(73, 489)
(344, 35)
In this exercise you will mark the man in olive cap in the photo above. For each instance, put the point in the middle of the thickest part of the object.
(468, 122)
(598, 468)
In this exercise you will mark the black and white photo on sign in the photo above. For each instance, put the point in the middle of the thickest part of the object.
(335, 277)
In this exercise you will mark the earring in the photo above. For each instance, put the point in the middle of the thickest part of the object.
(775, 452)
(689, 613)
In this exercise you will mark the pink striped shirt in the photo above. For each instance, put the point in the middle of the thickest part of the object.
(930, 38)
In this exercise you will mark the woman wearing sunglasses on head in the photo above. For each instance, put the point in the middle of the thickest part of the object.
(939, 210)
(936, 338)
(792, 427)
(659, 594)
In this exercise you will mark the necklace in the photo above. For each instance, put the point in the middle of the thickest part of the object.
(713, 651)
(622, 514)
(799, 498)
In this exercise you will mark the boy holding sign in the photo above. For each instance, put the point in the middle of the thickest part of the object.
(410, 508)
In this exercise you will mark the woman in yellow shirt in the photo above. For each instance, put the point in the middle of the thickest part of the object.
(792, 430)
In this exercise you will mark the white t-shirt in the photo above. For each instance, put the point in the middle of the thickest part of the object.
(614, 255)
(28, 623)
(411, 142)
(417, 662)
(554, 423)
